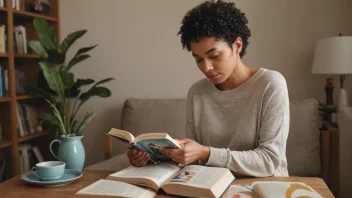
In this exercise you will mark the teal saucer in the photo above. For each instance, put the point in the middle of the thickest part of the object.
(68, 177)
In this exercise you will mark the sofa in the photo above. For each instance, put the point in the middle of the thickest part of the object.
(168, 115)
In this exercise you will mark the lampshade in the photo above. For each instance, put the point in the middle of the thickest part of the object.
(333, 56)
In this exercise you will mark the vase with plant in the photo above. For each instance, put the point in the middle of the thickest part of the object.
(62, 91)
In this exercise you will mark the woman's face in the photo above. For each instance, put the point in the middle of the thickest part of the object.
(215, 58)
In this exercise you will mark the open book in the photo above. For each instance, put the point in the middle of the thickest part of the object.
(269, 189)
(169, 179)
(148, 142)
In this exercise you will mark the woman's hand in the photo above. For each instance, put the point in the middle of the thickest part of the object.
(137, 158)
(189, 152)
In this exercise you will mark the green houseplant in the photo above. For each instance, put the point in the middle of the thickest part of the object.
(63, 92)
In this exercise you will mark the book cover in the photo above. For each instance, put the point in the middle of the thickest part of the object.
(148, 142)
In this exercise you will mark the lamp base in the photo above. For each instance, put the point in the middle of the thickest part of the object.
(343, 99)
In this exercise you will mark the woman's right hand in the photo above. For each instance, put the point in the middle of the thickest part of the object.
(137, 158)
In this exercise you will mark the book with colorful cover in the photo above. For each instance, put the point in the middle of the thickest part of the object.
(148, 142)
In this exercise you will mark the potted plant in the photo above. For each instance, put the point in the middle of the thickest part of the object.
(63, 92)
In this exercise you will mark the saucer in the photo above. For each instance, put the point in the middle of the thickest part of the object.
(69, 176)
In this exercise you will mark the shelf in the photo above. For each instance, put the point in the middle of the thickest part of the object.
(5, 143)
(4, 55)
(27, 56)
(25, 14)
(4, 99)
(3, 9)
(26, 97)
(31, 136)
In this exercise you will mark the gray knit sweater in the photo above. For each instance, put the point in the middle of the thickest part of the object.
(246, 128)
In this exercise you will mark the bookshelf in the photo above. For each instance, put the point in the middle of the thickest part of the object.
(28, 64)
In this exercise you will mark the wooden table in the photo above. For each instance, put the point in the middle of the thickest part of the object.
(15, 187)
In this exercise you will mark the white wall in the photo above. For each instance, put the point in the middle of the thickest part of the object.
(139, 46)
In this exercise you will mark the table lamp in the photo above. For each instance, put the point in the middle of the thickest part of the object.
(333, 55)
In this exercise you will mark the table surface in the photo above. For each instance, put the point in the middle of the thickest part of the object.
(15, 187)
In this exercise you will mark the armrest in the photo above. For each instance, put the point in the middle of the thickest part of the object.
(108, 147)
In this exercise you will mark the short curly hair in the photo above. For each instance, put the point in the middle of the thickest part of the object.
(221, 20)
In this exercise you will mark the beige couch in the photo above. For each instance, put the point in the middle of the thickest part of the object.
(168, 115)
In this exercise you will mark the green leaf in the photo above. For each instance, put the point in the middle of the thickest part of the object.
(103, 81)
(59, 118)
(45, 33)
(95, 91)
(83, 122)
(36, 91)
(37, 47)
(76, 60)
(70, 39)
(74, 91)
(53, 77)
(82, 82)
(49, 117)
(67, 79)
(84, 50)
(55, 57)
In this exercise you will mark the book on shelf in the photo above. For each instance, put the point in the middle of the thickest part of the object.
(3, 39)
(2, 3)
(18, 4)
(2, 170)
(1, 136)
(268, 189)
(26, 119)
(170, 179)
(3, 81)
(148, 142)
(29, 156)
(21, 39)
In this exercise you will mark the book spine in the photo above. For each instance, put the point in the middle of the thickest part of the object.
(2, 39)
(1, 81)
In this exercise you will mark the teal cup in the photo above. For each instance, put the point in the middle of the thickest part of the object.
(49, 170)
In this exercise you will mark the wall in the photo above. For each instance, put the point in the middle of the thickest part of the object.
(139, 46)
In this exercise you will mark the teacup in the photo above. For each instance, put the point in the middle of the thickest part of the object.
(49, 170)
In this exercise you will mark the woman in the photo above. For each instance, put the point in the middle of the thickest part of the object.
(238, 116)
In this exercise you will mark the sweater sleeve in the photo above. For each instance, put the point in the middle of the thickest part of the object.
(190, 130)
(266, 158)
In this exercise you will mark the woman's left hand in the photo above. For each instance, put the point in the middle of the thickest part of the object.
(189, 152)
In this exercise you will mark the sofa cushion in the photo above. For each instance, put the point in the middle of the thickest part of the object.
(141, 116)
(303, 144)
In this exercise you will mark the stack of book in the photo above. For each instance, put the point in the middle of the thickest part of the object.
(26, 119)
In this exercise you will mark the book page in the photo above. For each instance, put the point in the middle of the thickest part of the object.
(198, 176)
(241, 191)
(121, 134)
(158, 173)
(283, 189)
(115, 188)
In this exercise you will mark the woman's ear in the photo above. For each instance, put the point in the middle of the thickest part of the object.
(237, 45)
